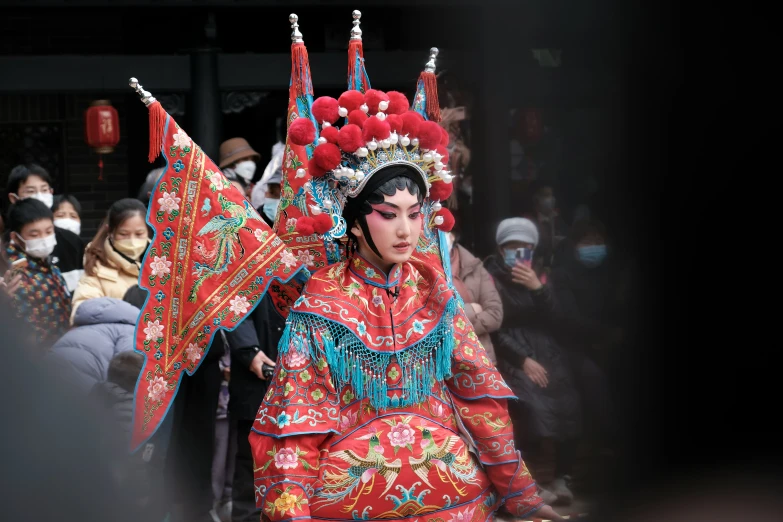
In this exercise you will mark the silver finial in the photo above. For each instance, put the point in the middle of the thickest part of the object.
(430, 66)
(146, 97)
(356, 32)
(296, 36)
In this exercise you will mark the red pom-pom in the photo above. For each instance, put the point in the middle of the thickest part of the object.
(440, 149)
(323, 223)
(302, 131)
(375, 128)
(314, 170)
(350, 138)
(325, 109)
(395, 122)
(411, 121)
(398, 103)
(374, 97)
(327, 156)
(351, 100)
(330, 134)
(305, 226)
(357, 118)
(444, 139)
(448, 220)
(440, 191)
(429, 135)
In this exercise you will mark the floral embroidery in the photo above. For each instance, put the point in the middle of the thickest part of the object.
(460, 324)
(296, 359)
(288, 388)
(361, 328)
(216, 178)
(239, 304)
(154, 330)
(317, 395)
(156, 389)
(286, 458)
(370, 272)
(401, 434)
(393, 373)
(169, 202)
(181, 140)
(463, 516)
(160, 266)
(305, 376)
(347, 420)
(348, 396)
(178, 165)
(418, 327)
(261, 235)
(288, 258)
(286, 503)
(192, 352)
(290, 225)
(306, 258)
(283, 420)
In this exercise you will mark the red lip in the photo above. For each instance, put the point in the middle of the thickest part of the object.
(402, 246)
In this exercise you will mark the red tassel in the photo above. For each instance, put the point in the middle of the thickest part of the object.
(100, 167)
(157, 122)
(300, 70)
(431, 91)
(354, 46)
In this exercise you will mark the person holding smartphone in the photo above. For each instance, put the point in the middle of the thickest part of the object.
(530, 359)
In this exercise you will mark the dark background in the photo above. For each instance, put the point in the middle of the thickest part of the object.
(688, 184)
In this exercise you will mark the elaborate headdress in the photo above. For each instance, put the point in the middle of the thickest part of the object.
(379, 130)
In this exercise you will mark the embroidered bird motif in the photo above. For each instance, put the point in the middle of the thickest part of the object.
(361, 473)
(444, 460)
(224, 232)
(206, 207)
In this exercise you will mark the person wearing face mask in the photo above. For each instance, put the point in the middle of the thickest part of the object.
(534, 364)
(584, 282)
(33, 181)
(474, 284)
(113, 258)
(41, 299)
(268, 210)
(237, 154)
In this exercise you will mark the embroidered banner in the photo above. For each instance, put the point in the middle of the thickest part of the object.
(210, 262)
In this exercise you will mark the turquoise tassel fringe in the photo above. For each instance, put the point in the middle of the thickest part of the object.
(352, 363)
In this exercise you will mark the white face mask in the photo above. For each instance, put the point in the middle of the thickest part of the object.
(39, 248)
(44, 197)
(246, 169)
(69, 224)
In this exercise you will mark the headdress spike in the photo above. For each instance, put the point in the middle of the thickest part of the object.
(430, 66)
(296, 36)
(356, 32)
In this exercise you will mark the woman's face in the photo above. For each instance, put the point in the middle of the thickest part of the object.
(66, 211)
(395, 227)
(132, 228)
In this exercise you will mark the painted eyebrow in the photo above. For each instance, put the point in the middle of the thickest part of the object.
(387, 203)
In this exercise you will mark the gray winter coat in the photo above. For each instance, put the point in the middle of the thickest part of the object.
(103, 327)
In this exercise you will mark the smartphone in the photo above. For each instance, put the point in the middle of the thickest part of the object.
(19, 265)
(525, 256)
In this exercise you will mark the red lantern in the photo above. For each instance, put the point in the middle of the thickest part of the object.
(101, 129)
